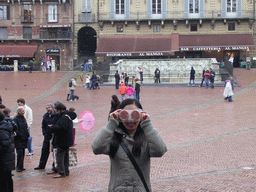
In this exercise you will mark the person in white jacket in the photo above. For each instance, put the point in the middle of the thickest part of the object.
(29, 118)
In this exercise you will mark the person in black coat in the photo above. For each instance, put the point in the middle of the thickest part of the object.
(192, 76)
(137, 88)
(63, 133)
(117, 77)
(157, 76)
(21, 138)
(7, 155)
(47, 120)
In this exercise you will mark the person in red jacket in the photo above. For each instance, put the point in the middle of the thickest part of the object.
(122, 91)
(207, 75)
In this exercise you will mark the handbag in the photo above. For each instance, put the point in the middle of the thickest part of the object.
(136, 166)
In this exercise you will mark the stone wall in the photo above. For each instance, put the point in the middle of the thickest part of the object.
(172, 70)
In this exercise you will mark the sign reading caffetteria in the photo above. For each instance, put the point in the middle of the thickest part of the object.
(52, 51)
(214, 48)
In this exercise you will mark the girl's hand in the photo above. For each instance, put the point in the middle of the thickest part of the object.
(144, 116)
(115, 114)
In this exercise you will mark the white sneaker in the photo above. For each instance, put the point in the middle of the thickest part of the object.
(30, 154)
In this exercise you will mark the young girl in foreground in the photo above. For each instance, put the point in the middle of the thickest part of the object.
(133, 126)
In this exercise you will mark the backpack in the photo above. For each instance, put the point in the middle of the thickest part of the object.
(70, 84)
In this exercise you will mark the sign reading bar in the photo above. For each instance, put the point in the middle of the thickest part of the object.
(214, 48)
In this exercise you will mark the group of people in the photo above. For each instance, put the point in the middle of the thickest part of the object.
(94, 80)
(132, 90)
(57, 129)
(14, 133)
(208, 78)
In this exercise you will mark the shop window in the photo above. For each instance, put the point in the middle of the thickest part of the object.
(193, 27)
(119, 6)
(3, 33)
(231, 26)
(156, 6)
(4, 12)
(52, 13)
(156, 28)
(27, 32)
(119, 28)
(27, 13)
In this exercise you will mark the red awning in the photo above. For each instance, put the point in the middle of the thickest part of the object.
(17, 50)
(145, 45)
(216, 42)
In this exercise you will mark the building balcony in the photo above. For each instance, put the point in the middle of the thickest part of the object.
(174, 15)
(58, 35)
(86, 17)
(27, 19)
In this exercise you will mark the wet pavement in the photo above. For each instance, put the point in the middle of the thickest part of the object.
(211, 142)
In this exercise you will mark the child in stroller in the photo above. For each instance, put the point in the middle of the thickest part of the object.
(97, 83)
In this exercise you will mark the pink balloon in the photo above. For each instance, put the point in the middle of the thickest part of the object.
(88, 121)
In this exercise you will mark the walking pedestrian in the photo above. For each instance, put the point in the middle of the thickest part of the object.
(201, 85)
(87, 81)
(130, 91)
(117, 78)
(29, 119)
(133, 86)
(206, 78)
(93, 79)
(138, 135)
(7, 157)
(192, 77)
(141, 75)
(72, 89)
(122, 91)
(126, 79)
(137, 89)
(157, 76)
(47, 120)
(21, 138)
(212, 78)
(30, 64)
(228, 91)
(63, 133)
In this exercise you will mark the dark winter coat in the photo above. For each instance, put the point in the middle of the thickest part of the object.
(22, 135)
(10, 120)
(137, 87)
(47, 120)
(192, 74)
(7, 155)
(63, 129)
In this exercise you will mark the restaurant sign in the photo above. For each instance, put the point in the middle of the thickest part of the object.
(230, 48)
(140, 54)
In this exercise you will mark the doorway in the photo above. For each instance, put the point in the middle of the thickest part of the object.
(87, 41)
(236, 55)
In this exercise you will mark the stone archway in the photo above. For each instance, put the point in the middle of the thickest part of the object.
(87, 41)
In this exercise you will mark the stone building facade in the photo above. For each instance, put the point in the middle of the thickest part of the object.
(36, 29)
(201, 26)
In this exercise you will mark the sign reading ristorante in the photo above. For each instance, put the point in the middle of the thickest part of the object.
(214, 48)
(142, 54)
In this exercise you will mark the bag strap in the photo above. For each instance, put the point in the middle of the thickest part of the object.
(136, 166)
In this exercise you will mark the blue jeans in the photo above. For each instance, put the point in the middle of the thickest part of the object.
(72, 95)
(93, 84)
(193, 82)
(122, 97)
(206, 82)
(29, 144)
(134, 95)
(138, 96)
